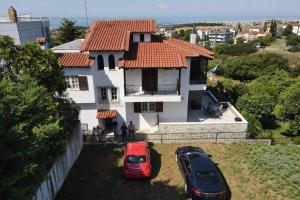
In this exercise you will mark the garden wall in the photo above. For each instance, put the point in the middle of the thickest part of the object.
(60, 169)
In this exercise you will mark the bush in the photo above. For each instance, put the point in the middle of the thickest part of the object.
(254, 128)
(245, 68)
(235, 49)
(296, 140)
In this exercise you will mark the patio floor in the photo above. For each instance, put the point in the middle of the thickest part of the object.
(202, 116)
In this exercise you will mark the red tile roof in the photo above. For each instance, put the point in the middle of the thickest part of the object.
(114, 35)
(169, 53)
(106, 114)
(75, 60)
(41, 40)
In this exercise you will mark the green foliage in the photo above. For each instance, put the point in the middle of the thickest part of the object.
(254, 128)
(273, 28)
(293, 40)
(184, 35)
(288, 107)
(261, 105)
(266, 40)
(227, 90)
(240, 40)
(296, 140)
(288, 30)
(235, 49)
(35, 117)
(250, 67)
(276, 166)
(68, 31)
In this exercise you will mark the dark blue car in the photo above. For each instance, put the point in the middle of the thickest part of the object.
(202, 178)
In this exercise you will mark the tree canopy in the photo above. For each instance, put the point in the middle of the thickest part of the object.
(250, 67)
(68, 31)
(35, 117)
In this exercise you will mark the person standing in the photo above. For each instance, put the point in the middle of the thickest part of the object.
(124, 131)
(115, 129)
(131, 130)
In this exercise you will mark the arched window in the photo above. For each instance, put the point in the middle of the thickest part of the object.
(111, 62)
(142, 38)
(100, 62)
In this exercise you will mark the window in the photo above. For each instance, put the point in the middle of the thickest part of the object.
(108, 93)
(111, 62)
(72, 82)
(142, 37)
(148, 106)
(136, 159)
(100, 62)
(103, 93)
(114, 94)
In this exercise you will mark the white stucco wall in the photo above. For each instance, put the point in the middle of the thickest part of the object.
(147, 37)
(88, 114)
(81, 96)
(11, 30)
(109, 77)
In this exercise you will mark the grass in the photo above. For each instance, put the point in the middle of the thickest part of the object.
(251, 172)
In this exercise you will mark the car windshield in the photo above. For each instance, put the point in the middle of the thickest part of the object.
(136, 159)
(207, 177)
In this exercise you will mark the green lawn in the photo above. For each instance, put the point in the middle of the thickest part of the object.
(251, 172)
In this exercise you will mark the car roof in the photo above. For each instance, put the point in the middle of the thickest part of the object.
(201, 162)
(136, 148)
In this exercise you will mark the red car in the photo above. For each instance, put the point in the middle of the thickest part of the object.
(137, 160)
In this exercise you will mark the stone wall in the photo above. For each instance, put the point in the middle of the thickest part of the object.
(224, 128)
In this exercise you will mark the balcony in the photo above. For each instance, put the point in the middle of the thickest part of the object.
(161, 92)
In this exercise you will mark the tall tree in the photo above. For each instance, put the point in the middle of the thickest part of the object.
(239, 27)
(265, 26)
(288, 30)
(273, 28)
(35, 117)
(67, 31)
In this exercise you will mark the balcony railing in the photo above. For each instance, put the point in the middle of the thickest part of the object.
(162, 89)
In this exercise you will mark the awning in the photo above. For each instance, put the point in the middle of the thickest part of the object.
(106, 114)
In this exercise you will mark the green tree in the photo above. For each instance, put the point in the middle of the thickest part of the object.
(288, 107)
(265, 26)
(261, 105)
(240, 40)
(68, 31)
(239, 27)
(35, 117)
(273, 28)
(31, 60)
(288, 30)
(293, 40)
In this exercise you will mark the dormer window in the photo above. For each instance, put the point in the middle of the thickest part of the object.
(142, 37)
(100, 62)
(111, 62)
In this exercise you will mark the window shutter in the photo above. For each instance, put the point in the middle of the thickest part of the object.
(159, 107)
(137, 107)
(83, 83)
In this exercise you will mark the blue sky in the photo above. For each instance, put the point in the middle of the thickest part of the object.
(154, 8)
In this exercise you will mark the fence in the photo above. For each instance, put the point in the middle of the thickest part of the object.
(60, 169)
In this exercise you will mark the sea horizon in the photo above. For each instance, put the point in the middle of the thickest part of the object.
(81, 21)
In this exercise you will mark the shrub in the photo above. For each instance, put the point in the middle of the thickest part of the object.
(296, 140)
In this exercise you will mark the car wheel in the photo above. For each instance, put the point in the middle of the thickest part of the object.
(186, 192)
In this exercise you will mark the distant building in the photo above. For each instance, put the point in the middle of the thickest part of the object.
(250, 36)
(220, 37)
(296, 28)
(24, 28)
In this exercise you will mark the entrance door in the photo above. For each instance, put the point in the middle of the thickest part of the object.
(149, 80)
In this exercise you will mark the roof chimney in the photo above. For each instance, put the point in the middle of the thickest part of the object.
(193, 36)
(12, 14)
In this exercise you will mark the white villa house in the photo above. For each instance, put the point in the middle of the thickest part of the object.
(122, 72)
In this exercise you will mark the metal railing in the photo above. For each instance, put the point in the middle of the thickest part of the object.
(162, 89)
